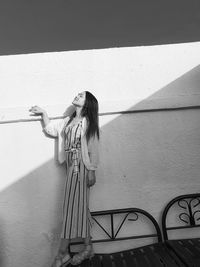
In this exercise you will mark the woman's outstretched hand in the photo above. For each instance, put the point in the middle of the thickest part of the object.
(91, 178)
(36, 111)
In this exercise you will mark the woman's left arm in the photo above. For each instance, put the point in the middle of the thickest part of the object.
(93, 150)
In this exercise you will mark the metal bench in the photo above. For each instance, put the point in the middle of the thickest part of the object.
(186, 208)
(153, 255)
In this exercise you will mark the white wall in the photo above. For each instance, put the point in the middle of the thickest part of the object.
(146, 158)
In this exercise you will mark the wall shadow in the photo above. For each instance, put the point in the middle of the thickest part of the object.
(182, 92)
(28, 215)
(49, 26)
(154, 150)
(147, 160)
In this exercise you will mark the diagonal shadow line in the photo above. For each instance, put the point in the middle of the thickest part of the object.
(177, 89)
(35, 182)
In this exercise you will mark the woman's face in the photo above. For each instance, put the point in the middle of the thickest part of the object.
(79, 100)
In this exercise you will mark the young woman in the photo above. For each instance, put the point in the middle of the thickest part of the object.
(78, 136)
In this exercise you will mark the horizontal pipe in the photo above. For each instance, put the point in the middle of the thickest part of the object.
(110, 113)
(117, 239)
(182, 227)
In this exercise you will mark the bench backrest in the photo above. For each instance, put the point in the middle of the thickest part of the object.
(187, 210)
(115, 230)
(127, 215)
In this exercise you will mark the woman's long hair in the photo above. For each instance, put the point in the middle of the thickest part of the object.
(90, 112)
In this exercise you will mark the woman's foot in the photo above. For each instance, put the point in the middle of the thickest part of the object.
(62, 260)
(87, 253)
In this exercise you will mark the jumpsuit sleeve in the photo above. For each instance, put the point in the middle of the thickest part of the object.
(53, 128)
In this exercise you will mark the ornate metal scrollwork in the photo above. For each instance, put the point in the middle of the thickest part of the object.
(190, 216)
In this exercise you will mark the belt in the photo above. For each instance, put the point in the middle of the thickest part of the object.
(72, 149)
(75, 157)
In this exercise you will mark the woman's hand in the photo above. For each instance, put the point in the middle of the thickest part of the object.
(91, 178)
(37, 111)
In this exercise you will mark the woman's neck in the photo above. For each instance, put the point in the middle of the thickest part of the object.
(78, 113)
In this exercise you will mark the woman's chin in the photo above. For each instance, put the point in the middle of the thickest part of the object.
(76, 104)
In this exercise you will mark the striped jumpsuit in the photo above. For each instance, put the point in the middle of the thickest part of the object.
(76, 214)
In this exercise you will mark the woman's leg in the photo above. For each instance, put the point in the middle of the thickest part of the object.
(88, 247)
(87, 253)
(63, 256)
(64, 247)
(87, 241)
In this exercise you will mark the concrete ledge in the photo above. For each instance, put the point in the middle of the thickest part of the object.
(21, 114)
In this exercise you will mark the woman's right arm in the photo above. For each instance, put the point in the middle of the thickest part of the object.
(52, 128)
(49, 127)
(38, 111)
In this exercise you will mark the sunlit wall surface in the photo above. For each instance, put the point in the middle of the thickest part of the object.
(146, 158)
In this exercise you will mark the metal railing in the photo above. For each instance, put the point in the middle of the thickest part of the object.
(188, 212)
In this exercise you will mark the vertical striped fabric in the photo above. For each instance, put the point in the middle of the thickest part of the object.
(76, 214)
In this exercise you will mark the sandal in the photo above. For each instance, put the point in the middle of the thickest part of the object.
(87, 253)
(62, 260)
